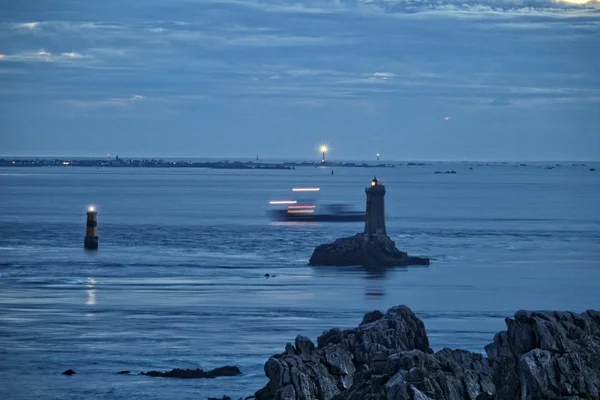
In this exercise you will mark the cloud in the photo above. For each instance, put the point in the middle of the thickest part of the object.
(496, 102)
(28, 25)
(72, 55)
(283, 6)
(42, 56)
(418, 8)
(117, 102)
(382, 76)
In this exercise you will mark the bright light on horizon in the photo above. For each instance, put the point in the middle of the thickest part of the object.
(323, 149)
(306, 189)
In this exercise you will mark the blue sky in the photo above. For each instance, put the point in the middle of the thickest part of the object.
(410, 79)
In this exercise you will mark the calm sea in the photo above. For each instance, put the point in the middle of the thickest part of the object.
(179, 279)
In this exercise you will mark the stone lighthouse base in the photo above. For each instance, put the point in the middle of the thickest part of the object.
(362, 249)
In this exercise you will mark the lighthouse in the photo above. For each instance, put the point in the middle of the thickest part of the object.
(323, 151)
(375, 218)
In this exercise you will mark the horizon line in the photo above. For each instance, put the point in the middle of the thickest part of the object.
(298, 159)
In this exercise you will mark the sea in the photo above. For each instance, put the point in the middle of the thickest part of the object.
(179, 278)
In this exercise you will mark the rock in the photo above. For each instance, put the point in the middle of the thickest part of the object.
(361, 249)
(592, 169)
(386, 357)
(222, 398)
(547, 355)
(417, 395)
(542, 355)
(372, 317)
(196, 373)
(448, 374)
(69, 372)
(123, 373)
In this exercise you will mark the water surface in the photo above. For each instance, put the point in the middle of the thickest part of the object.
(179, 279)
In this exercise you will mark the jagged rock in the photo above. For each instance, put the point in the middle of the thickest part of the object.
(542, 355)
(372, 317)
(386, 357)
(123, 372)
(362, 249)
(417, 395)
(547, 355)
(447, 374)
(196, 373)
(69, 372)
(399, 329)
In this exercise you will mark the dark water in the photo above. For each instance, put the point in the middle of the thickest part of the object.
(179, 277)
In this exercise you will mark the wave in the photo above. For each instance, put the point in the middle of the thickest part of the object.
(51, 281)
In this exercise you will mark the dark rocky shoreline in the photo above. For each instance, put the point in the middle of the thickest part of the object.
(542, 355)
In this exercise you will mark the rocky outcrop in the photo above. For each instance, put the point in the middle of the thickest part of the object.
(386, 357)
(196, 373)
(547, 355)
(542, 355)
(447, 374)
(69, 372)
(362, 249)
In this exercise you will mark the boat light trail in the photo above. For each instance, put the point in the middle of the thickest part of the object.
(283, 202)
(306, 189)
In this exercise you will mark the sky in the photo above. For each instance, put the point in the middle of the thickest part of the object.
(410, 79)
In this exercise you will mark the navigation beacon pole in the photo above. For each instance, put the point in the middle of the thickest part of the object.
(375, 218)
(91, 231)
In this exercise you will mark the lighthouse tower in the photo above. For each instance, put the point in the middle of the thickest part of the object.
(375, 221)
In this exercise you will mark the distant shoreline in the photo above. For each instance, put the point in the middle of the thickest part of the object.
(158, 163)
